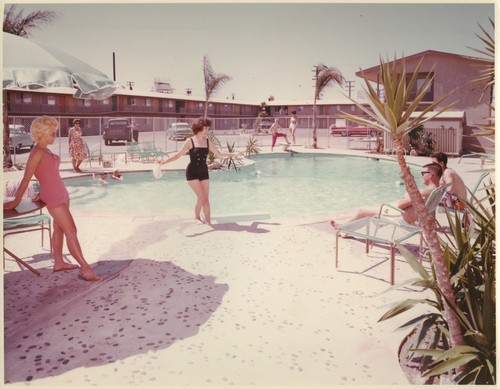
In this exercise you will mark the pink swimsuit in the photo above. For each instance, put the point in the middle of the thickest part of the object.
(52, 190)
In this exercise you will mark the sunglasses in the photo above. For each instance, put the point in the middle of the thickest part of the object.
(423, 173)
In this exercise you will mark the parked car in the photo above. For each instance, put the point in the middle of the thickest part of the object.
(354, 131)
(179, 131)
(19, 137)
(117, 130)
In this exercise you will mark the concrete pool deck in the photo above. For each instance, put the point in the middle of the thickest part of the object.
(237, 303)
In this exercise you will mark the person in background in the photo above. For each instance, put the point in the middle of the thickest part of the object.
(197, 177)
(293, 126)
(77, 150)
(431, 174)
(276, 134)
(457, 191)
(44, 165)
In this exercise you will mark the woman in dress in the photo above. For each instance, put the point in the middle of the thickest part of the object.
(44, 165)
(197, 177)
(293, 126)
(77, 150)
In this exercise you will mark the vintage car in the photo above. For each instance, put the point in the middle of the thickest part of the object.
(179, 131)
(19, 137)
(354, 131)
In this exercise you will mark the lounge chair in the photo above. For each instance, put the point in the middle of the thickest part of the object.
(149, 147)
(387, 230)
(92, 155)
(135, 152)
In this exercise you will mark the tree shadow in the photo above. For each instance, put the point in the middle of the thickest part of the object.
(54, 324)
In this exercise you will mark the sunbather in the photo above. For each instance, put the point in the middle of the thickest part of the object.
(457, 189)
(431, 174)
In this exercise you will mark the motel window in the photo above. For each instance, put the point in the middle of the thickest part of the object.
(148, 102)
(131, 100)
(170, 104)
(51, 100)
(105, 102)
(200, 105)
(87, 103)
(24, 98)
(420, 82)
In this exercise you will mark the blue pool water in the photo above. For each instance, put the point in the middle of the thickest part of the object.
(279, 185)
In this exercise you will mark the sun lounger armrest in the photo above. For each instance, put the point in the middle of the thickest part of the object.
(385, 208)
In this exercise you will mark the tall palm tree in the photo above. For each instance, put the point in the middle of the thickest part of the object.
(213, 81)
(324, 76)
(16, 23)
(392, 115)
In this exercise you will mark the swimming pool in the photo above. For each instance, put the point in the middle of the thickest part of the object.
(280, 185)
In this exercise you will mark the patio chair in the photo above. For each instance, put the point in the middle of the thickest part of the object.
(149, 147)
(388, 230)
(92, 155)
(135, 152)
(23, 224)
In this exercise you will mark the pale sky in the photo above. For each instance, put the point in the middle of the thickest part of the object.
(267, 49)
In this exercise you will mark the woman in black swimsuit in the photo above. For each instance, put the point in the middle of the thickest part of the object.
(197, 170)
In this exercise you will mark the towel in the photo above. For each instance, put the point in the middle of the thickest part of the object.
(157, 173)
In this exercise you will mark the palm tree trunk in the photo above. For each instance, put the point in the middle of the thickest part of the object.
(428, 224)
(315, 136)
(7, 158)
(206, 109)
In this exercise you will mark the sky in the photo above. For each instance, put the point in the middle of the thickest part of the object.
(266, 48)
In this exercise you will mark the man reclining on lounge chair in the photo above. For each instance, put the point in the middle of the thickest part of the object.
(431, 174)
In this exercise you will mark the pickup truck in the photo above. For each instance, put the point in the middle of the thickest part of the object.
(117, 130)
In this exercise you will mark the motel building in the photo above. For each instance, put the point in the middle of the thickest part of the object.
(155, 110)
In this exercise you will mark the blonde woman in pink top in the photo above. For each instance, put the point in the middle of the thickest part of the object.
(44, 165)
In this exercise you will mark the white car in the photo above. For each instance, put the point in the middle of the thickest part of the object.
(179, 131)
(19, 137)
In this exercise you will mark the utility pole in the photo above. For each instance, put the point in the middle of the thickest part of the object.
(349, 87)
(130, 84)
(114, 67)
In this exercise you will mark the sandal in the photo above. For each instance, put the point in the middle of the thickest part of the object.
(91, 278)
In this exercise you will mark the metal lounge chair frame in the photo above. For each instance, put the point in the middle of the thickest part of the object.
(20, 225)
(387, 230)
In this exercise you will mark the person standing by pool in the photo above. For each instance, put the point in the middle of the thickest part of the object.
(275, 133)
(293, 126)
(197, 177)
(77, 150)
(45, 166)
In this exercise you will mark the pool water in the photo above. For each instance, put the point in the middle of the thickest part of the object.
(279, 185)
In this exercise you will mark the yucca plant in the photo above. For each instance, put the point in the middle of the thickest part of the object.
(251, 147)
(470, 254)
(231, 161)
(393, 116)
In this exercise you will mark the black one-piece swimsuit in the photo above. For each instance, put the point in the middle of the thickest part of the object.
(197, 168)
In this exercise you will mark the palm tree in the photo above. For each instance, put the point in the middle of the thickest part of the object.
(392, 115)
(212, 81)
(324, 77)
(16, 23)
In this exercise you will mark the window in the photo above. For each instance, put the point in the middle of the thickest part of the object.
(419, 83)
(105, 102)
(130, 100)
(51, 100)
(148, 102)
(24, 98)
